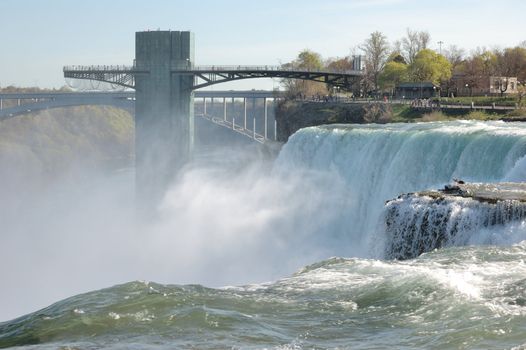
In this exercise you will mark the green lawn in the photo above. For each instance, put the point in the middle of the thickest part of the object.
(481, 100)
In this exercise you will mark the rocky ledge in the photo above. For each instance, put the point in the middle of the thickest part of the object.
(420, 222)
(294, 115)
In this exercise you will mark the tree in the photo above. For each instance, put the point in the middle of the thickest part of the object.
(511, 62)
(454, 55)
(413, 43)
(339, 64)
(394, 73)
(430, 66)
(521, 92)
(376, 50)
(308, 60)
(478, 68)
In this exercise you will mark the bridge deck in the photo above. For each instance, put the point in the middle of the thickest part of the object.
(209, 75)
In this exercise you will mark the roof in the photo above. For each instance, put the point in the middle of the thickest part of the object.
(424, 84)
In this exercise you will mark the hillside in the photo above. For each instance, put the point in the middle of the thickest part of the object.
(38, 147)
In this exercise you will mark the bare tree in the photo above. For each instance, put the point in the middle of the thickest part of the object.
(397, 47)
(376, 50)
(413, 43)
(424, 38)
(454, 55)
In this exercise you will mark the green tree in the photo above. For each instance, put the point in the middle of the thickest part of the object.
(308, 60)
(394, 73)
(430, 66)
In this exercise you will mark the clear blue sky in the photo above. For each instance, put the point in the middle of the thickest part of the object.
(38, 37)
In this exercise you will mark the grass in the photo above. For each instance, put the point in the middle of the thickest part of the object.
(406, 114)
(481, 100)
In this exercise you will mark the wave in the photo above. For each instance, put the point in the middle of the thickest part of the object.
(335, 303)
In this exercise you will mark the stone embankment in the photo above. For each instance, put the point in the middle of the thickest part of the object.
(420, 222)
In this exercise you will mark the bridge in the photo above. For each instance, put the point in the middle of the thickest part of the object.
(209, 75)
(165, 77)
(15, 104)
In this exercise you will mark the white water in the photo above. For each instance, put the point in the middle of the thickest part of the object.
(378, 162)
(418, 224)
(216, 227)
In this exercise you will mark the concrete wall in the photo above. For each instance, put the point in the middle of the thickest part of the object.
(164, 110)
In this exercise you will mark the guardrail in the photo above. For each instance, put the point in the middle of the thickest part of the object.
(119, 68)
(270, 68)
(124, 68)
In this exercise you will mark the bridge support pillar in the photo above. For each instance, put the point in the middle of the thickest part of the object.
(164, 119)
(204, 105)
(224, 109)
(1, 104)
(266, 116)
(245, 113)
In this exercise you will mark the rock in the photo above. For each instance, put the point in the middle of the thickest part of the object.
(294, 115)
(420, 222)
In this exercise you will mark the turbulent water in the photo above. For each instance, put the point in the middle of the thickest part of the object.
(419, 223)
(457, 298)
(472, 295)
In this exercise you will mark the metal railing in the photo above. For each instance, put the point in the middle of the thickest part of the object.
(96, 68)
(271, 68)
(127, 68)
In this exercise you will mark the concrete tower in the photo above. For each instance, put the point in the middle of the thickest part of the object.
(164, 110)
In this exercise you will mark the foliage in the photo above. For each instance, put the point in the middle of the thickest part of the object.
(480, 100)
(393, 74)
(430, 66)
(339, 64)
(511, 62)
(54, 141)
(307, 60)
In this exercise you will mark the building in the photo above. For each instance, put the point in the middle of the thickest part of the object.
(358, 62)
(416, 90)
(463, 85)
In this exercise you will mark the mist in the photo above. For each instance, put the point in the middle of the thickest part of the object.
(229, 218)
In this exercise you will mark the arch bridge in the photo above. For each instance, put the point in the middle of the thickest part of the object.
(204, 76)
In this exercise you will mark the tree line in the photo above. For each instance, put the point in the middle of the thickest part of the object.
(411, 59)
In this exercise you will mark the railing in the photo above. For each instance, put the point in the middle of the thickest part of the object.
(119, 68)
(124, 68)
(270, 68)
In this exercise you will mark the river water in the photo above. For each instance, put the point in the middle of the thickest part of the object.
(331, 183)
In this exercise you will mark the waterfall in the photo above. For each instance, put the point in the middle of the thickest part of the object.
(379, 162)
(418, 224)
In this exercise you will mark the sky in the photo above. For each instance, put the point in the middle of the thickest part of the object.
(39, 37)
